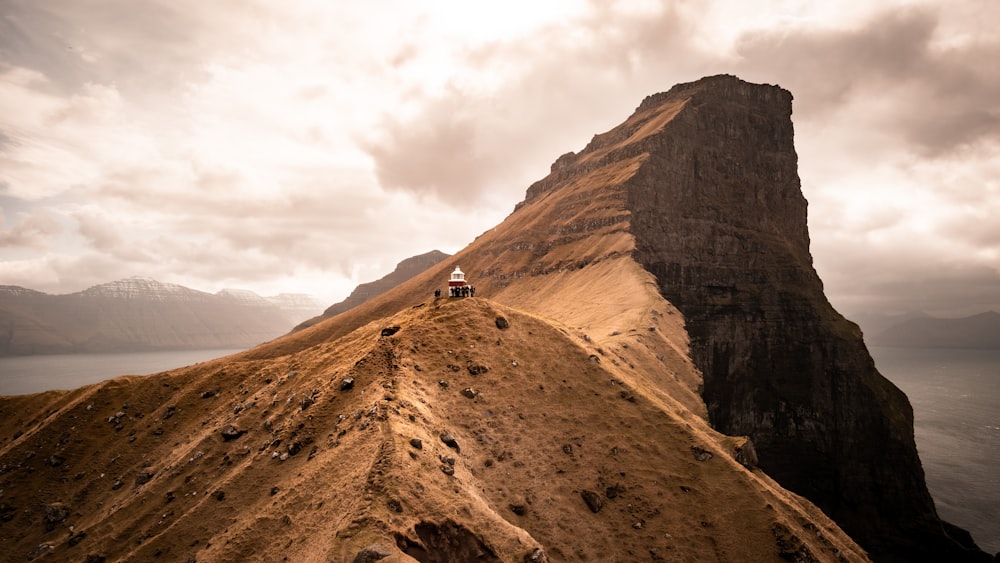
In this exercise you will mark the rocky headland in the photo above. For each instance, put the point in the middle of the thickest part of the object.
(649, 371)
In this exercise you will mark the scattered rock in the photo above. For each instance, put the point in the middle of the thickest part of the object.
(477, 369)
(417, 443)
(536, 556)
(613, 492)
(143, 478)
(219, 494)
(95, 558)
(519, 509)
(593, 500)
(390, 330)
(55, 514)
(169, 496)
(56, 460)
(790, 547)
(169, 412)
(294, 448)
(701, 454)
(307, 401)
(443, 384)
(567, 449)
(595, 359)
(394, 505)
(230, 433)
(469, 392)
(453, 542)
(274, 490)
(745, 454)
(347, 384)
(502, 323)
(39, 551)
(207, 394)
(449, 441)
(76, 538)
(372, 553)
(447, 470)
(447, 459)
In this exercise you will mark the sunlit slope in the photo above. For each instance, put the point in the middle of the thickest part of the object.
(316, 469)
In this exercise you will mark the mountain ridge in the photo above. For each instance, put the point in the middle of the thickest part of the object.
(560, 414)
(403, 271)
(605, 198)
(139, 314)
(978, 331)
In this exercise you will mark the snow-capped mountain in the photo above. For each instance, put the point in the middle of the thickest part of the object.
(143, 314)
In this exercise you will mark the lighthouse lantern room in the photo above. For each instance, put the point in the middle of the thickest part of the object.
(457, 278)
(458, 286)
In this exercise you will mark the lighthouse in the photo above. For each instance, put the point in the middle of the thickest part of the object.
(457, 286)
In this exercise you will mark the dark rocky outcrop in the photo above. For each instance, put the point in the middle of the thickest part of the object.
(720, 220)
(451, 541)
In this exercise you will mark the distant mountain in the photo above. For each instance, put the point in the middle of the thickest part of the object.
(137, 314)
(404, 271)
(976, 331)
(874, 323)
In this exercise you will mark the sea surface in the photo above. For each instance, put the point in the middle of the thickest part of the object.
(955, 395)
(20, 375)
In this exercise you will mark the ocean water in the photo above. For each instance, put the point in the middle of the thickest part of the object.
(20, 375)
(955, 395)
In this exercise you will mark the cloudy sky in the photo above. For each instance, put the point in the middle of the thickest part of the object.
(308, 146)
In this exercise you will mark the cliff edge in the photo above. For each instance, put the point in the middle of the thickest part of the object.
(719, 219)
(655, 282)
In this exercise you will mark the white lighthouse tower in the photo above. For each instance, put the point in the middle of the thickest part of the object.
(457, 286)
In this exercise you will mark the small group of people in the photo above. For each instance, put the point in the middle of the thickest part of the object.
(458, 291)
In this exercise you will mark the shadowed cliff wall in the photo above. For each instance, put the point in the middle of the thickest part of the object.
(720, 220)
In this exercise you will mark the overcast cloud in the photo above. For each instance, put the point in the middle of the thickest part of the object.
(309, 146)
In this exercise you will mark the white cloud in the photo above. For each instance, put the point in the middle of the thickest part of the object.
(309, 146)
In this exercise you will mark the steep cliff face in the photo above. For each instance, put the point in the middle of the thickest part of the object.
(553, 417)
(719, 219)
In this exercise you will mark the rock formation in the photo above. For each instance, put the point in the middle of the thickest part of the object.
(719, 218)
(556, 416)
